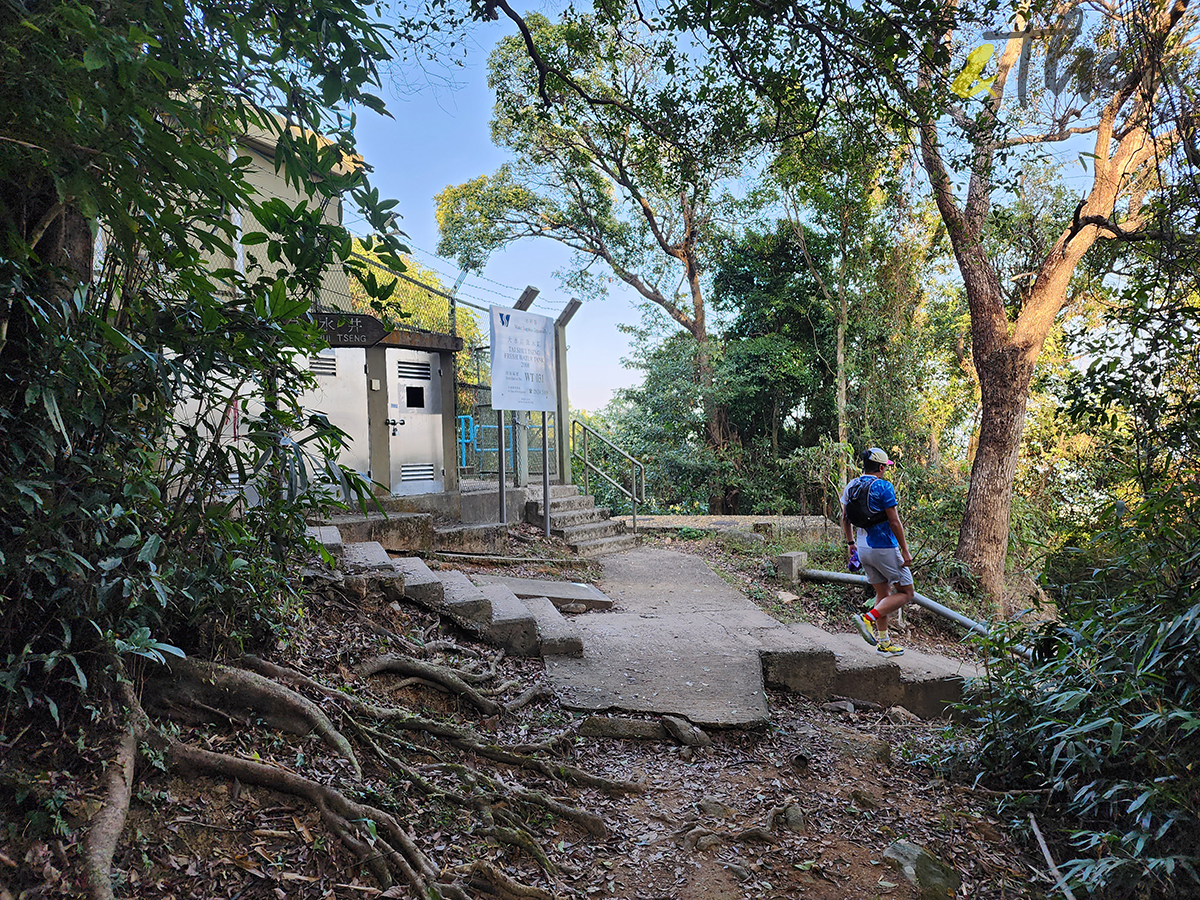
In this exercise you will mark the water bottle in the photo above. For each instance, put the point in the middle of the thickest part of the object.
(855, 565)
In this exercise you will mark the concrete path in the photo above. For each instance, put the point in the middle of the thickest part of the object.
(680, 640)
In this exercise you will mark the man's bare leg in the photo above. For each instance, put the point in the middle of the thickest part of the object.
(891, 602)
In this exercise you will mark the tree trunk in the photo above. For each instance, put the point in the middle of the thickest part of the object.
(1004, 378)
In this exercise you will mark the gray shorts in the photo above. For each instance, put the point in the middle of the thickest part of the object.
(884, 565)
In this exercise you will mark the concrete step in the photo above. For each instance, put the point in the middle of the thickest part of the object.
(804, 659)
(534, 490)
(462, 602)
(556, 636)
(488, 538)
(420, 584)
(367, 565)
(573, 517)
(591, 531)
(560, 593)
(513, 626)
(565, 504)
(568, 519)
(601, 546)
(366, 558)
(330, 538)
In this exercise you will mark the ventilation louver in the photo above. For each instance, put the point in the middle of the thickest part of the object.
(416, 473)
(323, 365)
(419, 370)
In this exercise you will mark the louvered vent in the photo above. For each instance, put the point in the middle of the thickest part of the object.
(416, 473)
(323, 365)
(419, 370)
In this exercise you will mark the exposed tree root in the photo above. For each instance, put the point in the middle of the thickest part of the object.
(373, 834)
(448, 678)
(193, 683)
(462, 738)
(105, 827)
(529, 695)
(590, 823)
(482, 870)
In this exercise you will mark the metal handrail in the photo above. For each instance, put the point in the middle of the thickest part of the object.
(637, 471)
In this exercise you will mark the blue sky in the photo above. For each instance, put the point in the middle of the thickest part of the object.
(440, 136)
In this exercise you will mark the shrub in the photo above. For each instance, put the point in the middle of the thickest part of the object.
(1105, 716)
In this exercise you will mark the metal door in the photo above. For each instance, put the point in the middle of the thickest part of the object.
(415, 417)
(341, 394)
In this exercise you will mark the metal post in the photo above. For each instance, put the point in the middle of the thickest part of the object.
(633, 490)
(500, 465)
(562, 409)
(520, 445)
(545, 476)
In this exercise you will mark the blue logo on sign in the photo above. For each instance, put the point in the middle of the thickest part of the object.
(504, 317)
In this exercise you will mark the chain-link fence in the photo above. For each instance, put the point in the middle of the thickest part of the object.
(413, 304)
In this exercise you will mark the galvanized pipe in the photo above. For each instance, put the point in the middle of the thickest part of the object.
(919, 599)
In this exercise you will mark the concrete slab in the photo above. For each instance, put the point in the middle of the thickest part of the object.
(420, 584)
(560, 593)
(558, 637)
(328, 537)
(678, 664)
(366, 557)
(820, 665)
(462, 601)
(513, 626)
(398, 532)
(472, 539)
(813, 528)
(680, 641)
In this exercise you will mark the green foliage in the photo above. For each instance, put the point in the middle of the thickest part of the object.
(156, 468)
(1106, 717)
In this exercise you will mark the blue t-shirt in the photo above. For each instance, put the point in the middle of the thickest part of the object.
(880, 496)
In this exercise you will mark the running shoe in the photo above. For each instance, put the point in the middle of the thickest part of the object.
(866, 628)
(887, 648)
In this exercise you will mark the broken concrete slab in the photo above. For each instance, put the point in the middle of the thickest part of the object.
(821, 666)
(796, 659)
(558, 637)
(684, 643)
(420, 584)
(366, 557)
(463, 602)
(328, 537)
(621, 728)
(398, 532)
(513, 626)
(560, 593)
(673, 664)
(685, 732)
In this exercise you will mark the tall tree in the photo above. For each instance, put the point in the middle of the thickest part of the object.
(611, 159)
(1119, 97)
(832, 181)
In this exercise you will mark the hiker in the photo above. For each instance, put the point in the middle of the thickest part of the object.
(869, 507)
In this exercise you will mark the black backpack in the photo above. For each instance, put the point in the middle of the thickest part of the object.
(857, 510)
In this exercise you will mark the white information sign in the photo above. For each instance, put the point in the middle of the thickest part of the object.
(522, 360)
